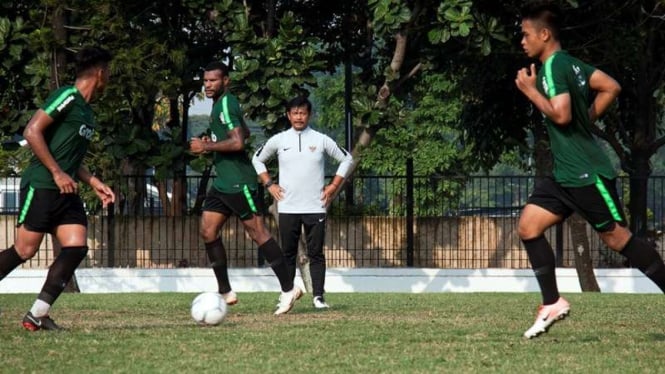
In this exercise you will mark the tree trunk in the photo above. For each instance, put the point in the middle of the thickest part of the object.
(59, 62)
(302, 261)
(637, 204)
(582, 254)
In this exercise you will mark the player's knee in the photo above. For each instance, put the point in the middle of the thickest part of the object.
(207, 234)
(26, 252)
(616, 239)
(257, 231)
(526, 232)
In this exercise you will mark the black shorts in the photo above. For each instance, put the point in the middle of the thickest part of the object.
(243, 204)
(598, 203)
(42, 210)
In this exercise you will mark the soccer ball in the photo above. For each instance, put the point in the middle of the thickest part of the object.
(209, 308)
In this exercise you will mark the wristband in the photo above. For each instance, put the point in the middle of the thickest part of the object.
(268, 184)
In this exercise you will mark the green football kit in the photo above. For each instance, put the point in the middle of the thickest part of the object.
(67, 137)
(584, 179)
(578, 158)
(235, 172)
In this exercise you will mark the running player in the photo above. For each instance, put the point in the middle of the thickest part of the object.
(571, 95)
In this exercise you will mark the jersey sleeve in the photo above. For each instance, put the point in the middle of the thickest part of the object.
(587, 69)
(231, 114)
(59, 102)
(264, 154)
(340, 154)
(555, 80)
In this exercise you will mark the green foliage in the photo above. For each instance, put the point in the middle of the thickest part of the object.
(269, 71)
(23, 73)
(160, 47)
(389, 15)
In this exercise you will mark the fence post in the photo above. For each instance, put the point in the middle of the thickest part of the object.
(409, 212)
(110, 229)
(260, 260)
(559, 244)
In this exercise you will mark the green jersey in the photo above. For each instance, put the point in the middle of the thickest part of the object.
(67, 137)
(578, 158)
(234, 170)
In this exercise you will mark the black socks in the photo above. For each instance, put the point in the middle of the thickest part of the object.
(217, 256)
(543, 264)
(9, 260)
(275, 258)
(644, 256)
(61, 271)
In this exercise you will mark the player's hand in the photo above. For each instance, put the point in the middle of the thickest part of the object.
(276, 192)
(197, 145)
(64, 182)
(327, 195)
(526, 78)
(104, 192)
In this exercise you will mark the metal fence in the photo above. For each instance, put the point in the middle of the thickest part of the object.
(376, 221)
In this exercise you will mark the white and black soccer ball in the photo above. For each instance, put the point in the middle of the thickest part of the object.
(209, 308)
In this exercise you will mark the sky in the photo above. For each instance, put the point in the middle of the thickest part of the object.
(199, 107)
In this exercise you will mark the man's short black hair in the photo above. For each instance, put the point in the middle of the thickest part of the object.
(298, 102)
(91, 57)
(546, 14)
(216, 65)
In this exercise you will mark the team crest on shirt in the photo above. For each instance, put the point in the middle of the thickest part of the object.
(581, 80)
(86, 131)
(312, 148)
(213, 137)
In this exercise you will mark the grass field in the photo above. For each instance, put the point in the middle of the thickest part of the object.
(362, 333)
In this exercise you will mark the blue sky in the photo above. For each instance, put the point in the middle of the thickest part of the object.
(199, 107)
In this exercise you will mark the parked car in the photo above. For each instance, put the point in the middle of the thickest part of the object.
(10, 192)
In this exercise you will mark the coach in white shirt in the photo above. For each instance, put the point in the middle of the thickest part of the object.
(302, 197)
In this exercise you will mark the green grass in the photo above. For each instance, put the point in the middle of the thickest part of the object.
(362, 333)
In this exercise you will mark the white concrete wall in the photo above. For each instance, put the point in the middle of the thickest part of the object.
(411, 280)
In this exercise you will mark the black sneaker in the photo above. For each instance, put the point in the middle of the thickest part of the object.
(33, 323)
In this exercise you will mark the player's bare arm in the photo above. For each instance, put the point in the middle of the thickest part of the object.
(329, 190)
(104, 192)
(607, 90)
(34, 134)
(557, 108)
(234, 143)
(275, 190)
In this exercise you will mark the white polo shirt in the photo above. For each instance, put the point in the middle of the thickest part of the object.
(301, 158)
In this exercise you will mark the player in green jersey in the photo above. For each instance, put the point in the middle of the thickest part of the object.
(58, 135)
(571, 95)
(234, 190)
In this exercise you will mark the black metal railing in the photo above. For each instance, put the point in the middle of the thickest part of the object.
(392, 221)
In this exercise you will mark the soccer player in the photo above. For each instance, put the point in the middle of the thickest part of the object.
(571, 95)
(302, 197)
(59, 134)
(234, 189)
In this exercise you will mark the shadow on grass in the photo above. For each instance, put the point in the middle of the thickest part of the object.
(657, 337)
